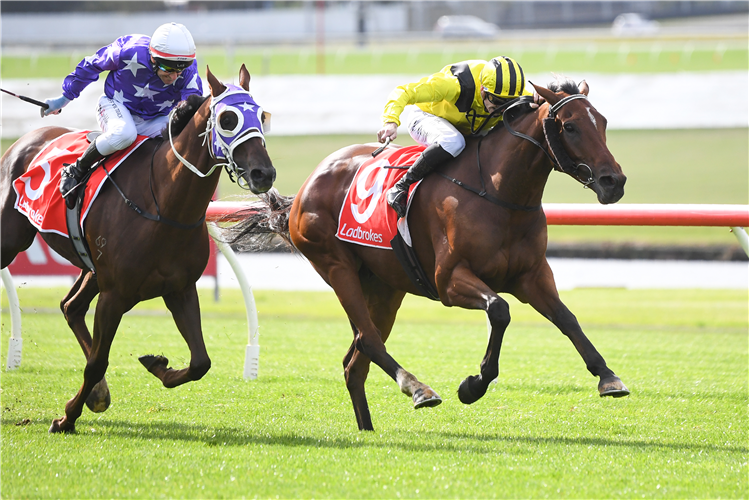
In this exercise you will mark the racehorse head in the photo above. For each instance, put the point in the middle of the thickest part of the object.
(236, 126)
(576, 133)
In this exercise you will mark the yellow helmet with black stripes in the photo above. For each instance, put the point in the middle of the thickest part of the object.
(503, 77)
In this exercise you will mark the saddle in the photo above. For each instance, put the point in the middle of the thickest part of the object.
(38, 195)
(366, 219)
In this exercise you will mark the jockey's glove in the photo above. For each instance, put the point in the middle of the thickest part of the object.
(55, 105)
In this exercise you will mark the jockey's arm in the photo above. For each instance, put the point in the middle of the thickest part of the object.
(88, 70)
(433, 88)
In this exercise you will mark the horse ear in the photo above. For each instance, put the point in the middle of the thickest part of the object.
(244, 78)
(217, 88)
(547, 94)
(583, 86)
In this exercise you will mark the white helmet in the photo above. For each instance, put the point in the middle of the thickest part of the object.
(172, 45)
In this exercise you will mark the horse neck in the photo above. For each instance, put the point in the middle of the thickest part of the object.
(517, 168)
(185, 193)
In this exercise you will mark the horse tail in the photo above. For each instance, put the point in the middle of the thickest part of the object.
(263, 225)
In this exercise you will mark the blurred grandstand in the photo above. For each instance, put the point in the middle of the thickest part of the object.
(92, 23)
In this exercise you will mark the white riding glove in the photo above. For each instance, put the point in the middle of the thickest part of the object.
(55, 105)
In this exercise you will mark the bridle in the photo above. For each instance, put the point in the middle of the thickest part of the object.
(557, 154)
(221, 149)
(223, 142)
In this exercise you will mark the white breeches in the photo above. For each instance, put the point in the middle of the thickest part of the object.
(428, 129)
(120, 127)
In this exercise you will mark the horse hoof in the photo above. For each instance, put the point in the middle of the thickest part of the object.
(99, 399)
(468, 393)
(613, 387)
(60, 425)
(426, 398)
(150, 361)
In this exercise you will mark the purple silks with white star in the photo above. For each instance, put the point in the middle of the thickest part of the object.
(132, 79)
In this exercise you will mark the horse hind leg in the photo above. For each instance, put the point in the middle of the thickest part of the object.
(185, 309)
(355, 371)
(383, 303)
(16, 235)
(109, 311)
(74, 307)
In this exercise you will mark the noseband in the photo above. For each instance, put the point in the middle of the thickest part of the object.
(557, 154)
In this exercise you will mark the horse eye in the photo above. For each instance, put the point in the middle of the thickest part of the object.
(568, 127)
(228, 121)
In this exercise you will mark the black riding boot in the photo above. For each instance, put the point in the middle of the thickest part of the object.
(397, 196)
(72, 174)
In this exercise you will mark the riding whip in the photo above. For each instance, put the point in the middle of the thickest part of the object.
(381, 148)
(28, 99)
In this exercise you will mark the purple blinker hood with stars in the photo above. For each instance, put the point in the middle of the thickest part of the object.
(249, 124)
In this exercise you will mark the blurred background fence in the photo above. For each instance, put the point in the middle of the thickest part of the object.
(86, 23)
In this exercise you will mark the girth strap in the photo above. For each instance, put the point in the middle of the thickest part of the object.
(488, 197)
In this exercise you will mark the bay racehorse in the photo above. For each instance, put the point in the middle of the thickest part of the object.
(160, 251)
(470, 246)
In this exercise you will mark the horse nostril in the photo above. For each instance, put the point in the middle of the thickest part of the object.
(607, 181)
(257, 175)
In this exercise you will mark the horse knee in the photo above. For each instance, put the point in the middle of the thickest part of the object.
(200, 368)
(95, 370)
(499, 313)
(365, 345)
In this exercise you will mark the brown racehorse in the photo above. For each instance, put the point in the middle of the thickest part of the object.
(143, 258)
(471, 247)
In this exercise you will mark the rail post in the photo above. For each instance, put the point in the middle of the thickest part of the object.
(252, 351)
(15, 344)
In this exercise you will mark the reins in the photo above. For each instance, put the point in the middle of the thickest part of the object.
(556, 154)
(158, 217)
(482, 193)
(209, 137)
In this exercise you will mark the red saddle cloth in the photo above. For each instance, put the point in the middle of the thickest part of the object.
(37, 191)
(365, 216)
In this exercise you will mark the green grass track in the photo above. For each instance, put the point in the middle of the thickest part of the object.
(541, 431)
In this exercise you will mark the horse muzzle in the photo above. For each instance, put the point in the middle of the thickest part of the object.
(258, 179)
(609, 188)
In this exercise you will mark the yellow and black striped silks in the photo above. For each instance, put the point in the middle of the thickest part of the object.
(454, 93)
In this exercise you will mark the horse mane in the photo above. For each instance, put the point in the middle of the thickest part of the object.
(563, 84)
(184, 112)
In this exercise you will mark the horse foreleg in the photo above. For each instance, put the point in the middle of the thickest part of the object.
(109, 311)
(465, 289)
(541, 293)
(74, 307)
(185, 309)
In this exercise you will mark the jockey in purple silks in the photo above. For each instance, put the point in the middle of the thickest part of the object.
(147, 77)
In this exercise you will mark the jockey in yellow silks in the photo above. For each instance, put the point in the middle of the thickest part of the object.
(451, 104)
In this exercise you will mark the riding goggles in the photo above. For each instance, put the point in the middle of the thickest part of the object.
(168, 69)
(495, 99)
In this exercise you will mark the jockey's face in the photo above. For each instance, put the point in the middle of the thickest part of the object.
(168, 77)
(489, 105)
